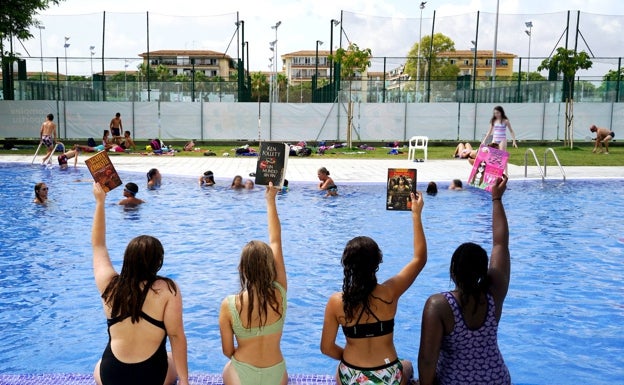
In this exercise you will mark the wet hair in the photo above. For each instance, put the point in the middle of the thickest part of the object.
(50, 117)
(132, 188)
(432, 188)
(126, 292)
(503, 116)
(457, 183)
(323, 170)
(151, 173)
(257, 274)
(285, 184)
(360, 261)
(38, 187)
(469, 268)
(234, 180)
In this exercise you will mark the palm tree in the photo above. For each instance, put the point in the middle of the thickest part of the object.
(282, 83)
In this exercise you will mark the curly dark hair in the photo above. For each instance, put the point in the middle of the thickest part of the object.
(126, 292)
(469, 268)
(257, 274)
(360, 261)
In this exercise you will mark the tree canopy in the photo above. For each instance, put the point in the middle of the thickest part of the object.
(17, 16)
(352, 60)
(440, 68)
(566, 62)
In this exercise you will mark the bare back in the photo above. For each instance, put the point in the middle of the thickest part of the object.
(48, 128)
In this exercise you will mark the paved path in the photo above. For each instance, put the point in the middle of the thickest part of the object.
(342, 170)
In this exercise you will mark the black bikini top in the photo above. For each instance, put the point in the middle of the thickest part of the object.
(111, 321)
(375, 329)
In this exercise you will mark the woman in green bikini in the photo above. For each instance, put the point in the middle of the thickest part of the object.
(255, 316)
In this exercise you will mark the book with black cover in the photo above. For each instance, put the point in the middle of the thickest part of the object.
(401, 182)
(103, 171)
(272, 162)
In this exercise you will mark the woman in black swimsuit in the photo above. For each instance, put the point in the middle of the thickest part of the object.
(366, 310)
(142, 310)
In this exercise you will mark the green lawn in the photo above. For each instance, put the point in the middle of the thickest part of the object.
(581, 155)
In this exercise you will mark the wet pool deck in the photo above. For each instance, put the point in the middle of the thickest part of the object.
(342, 170)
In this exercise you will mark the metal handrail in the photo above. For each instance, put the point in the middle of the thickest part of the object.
(526, 163)
(549, 149)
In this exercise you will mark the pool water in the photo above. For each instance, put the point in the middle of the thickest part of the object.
(563, 319)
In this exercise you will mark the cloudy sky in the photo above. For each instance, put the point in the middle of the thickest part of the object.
(388, 27)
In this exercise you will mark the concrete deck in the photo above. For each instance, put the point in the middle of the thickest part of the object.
(342, 170)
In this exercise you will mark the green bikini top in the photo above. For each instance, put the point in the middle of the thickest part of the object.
(242, 332)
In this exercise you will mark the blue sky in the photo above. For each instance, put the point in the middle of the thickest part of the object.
(387, 27)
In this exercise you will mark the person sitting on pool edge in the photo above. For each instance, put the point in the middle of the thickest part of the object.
(603, 136)
(207, 179)
(41, 194)
(129, 192)
(458, 342)
(154, 179)
(365, 309)
(327, 183)
(456, 185)
(142, 310)
(255, 316)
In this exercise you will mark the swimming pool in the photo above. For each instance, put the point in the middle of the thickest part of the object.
(563, 318)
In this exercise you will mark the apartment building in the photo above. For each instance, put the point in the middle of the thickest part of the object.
(210, 63)
(299, 66)
(465, 60)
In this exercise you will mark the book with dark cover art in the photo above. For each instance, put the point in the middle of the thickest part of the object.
(272, 161)
(103, 171)
(401, 183)
(489, 165)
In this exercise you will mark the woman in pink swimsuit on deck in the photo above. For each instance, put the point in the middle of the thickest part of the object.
(498, 129)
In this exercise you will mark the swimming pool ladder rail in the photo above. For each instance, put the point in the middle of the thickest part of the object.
(543, 172)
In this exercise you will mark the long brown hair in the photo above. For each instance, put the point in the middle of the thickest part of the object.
(257, 274)
(360, 261)
(502, 112)
(126, 292)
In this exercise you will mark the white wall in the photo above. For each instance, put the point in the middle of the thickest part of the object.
(294, 121)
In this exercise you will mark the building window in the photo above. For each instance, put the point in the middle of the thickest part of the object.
(453, 61)
(466, 62)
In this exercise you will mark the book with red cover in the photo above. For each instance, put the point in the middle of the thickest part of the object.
(401, 182)
(489, 165)
(272, 162)
(103, 171)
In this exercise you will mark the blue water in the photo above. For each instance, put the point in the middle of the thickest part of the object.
(563, 320)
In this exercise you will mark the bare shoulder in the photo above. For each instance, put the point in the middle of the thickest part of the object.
(335, 303)
(162, 288)
(437, 303)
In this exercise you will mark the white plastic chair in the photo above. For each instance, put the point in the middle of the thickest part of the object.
(417, 143)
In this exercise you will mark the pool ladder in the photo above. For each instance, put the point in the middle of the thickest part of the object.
(542, 172)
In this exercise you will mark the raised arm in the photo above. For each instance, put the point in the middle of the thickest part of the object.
(499, 270)
(402, 281)
(275, 234)
(102, 267)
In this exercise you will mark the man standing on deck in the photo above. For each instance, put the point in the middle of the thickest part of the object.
(116, 128)
(48, 136)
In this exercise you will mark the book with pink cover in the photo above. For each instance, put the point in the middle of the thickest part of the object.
(489, 165)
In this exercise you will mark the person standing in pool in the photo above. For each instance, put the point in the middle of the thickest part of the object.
(255, 316)
(458, 342)
(327, 183)
(154, 179)
(603, 136)
(130, 191)
(142, 310)
(47, 133)
(207, 179)
(41, 194)
(498, 129)
(237, 183)
(366, 309)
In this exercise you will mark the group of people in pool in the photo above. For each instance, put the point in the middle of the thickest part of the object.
(458, 342)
